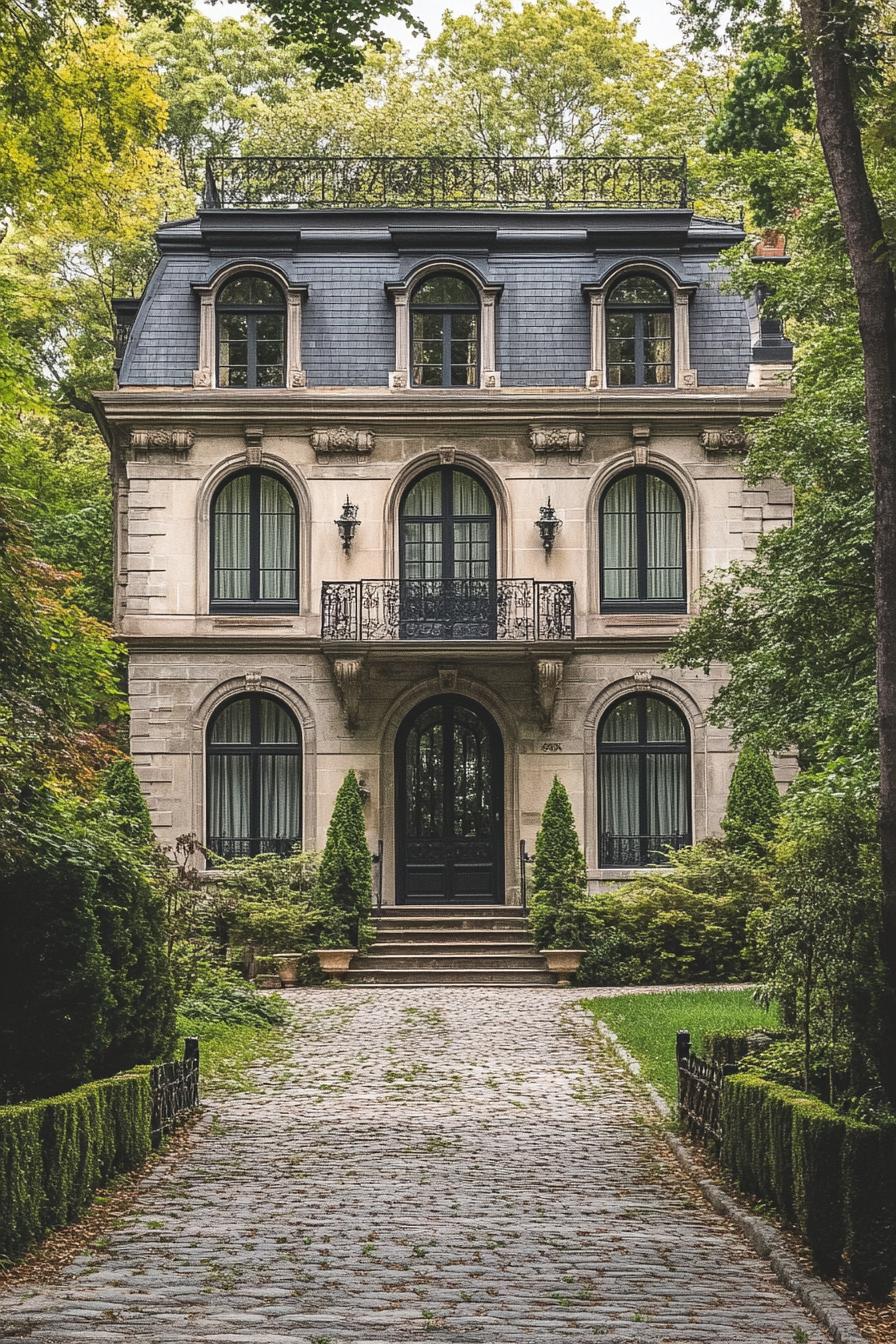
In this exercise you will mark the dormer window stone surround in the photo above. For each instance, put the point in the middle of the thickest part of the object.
(205, 375)
(401, 293)
(596, 294)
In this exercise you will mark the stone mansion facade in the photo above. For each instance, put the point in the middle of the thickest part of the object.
(423, 488)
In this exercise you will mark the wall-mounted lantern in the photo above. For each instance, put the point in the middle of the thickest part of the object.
(348, 523)
(548, 525)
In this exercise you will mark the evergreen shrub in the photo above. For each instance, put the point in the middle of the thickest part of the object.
(754, 803)
(559, 883)
(831, 1175)
(344, 883)
(55, 1153)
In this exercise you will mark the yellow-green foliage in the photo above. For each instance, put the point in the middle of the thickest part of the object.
(831, 1175)
(55, 1153)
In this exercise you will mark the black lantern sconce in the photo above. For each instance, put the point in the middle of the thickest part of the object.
(348, 523)
(548, 525)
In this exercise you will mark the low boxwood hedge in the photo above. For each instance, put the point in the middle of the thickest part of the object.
(55, 1153)
(832, 1176)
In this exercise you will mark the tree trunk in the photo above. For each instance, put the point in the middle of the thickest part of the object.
(838, 128)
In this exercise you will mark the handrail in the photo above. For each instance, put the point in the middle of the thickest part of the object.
(456, 181)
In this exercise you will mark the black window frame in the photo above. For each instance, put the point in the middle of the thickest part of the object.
(642, 749)
(640, 311)
(446, 311)
(255, 603)
(254, 749)
(251, 312)
(642, 602)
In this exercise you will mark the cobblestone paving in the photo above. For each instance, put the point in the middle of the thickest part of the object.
(462, 1165)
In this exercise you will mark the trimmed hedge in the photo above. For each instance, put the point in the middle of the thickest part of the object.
(832, 1176)
(54, 1154)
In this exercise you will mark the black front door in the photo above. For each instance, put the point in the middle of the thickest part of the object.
(449, 772)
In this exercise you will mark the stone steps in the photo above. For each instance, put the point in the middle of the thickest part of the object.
(450, 945)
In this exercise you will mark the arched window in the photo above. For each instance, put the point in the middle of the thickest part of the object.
(251, 333)
(642, 544)
(254, 778)
(253, 536)
(445, 333)
(447, 558)
(639, 333)
(644, 763)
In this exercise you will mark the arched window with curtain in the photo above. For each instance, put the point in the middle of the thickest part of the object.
(639, 333)
(448, 562)
(445, 333)
(642, 544)
(644, 784)
(254, 773)
(254, 534)
(251, 314)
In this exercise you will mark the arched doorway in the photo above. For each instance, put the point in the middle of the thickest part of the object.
(447, 563)
(449, 805)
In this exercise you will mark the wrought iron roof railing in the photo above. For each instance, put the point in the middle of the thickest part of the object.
(457, 181)
(448, 609)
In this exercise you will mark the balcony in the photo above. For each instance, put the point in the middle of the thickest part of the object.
(378, 610)
(465, 182)
(637, 851)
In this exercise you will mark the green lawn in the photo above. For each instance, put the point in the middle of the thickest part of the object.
(226, 1051)
(646, 1024)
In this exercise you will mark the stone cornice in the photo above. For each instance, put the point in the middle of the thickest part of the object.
(301, 411)
(416, 651)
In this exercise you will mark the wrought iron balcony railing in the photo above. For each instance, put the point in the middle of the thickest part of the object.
(481, 609)
(637, 851)
(241, 847)
(464, 182)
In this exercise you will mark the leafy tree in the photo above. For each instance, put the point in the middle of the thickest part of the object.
(754, 803)
(344, 883)
(333, 34)
(559, 880)
(846, 50)
(818, 939)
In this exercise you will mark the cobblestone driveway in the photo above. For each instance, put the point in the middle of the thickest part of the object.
(429, 1164)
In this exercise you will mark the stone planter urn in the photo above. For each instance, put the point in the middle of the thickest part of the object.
(563, 962)
(335, 961)
(287, 967)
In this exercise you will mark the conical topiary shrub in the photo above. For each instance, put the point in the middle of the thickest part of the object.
(559, 882)
(343, 893)
(754, 803)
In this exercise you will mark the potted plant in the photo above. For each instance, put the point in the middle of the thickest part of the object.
(344, 883)
(287, 966)
(559, 886)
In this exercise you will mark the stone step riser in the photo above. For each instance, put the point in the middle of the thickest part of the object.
(470, 925)
(408, 978)
(482, 961)
(449, 947)
(452, 937)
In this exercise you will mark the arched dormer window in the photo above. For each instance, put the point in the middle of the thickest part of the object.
(445, 333)
(644, 767)
(254, 532)
(642, 544)
(254, 773)
(639, 333)
(251, 322)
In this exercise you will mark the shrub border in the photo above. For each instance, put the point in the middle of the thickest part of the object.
(817, 1297)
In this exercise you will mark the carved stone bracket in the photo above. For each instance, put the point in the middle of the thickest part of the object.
(641, 444)
(447, 454)
(253, 681)
(642, 678)
(548, 680)
(732, 440)
(557, 442)
(254, 439)
(447, 678)
(348, 674)
(170, 440)
(342, 442)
